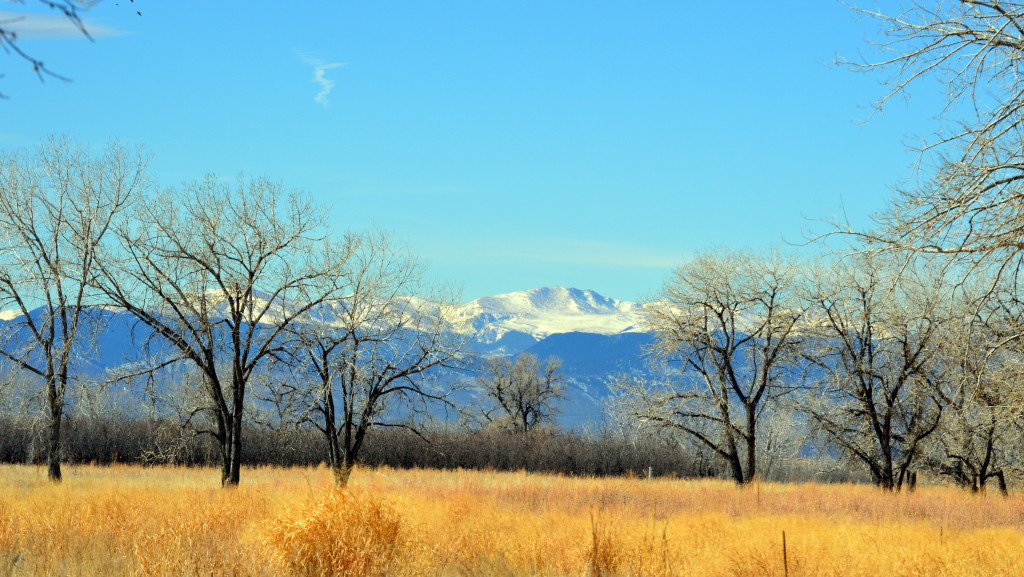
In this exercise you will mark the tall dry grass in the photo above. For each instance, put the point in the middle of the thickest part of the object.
(172, 521)
(339, 533)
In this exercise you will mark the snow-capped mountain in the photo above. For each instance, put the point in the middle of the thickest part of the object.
(511, 322)
(596, 338)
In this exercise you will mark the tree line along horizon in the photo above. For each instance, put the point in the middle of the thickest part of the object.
(904, 355)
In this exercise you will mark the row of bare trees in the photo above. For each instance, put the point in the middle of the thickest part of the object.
(963, 213)
(896, 369)
(230, 285)
(909, 354)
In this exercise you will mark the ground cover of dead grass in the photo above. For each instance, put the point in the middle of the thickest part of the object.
(176, 521)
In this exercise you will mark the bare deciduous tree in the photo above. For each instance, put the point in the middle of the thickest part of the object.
(56, 210)
(876, 346)
(369, 354)
(981, 431)
(523, 392)
(219, 274)
(726, 323)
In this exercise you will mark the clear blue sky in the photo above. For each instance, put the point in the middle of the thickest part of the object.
(512, 144)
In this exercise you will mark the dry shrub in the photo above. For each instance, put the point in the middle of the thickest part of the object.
(339, 534)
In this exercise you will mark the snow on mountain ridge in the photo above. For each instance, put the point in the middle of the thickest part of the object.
(554, 299)
(545, 311)
(538, 313)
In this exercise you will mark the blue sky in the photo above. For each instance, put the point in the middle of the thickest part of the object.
(511, 144)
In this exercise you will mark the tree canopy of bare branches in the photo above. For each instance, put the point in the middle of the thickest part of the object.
(522, 391)
(981, 435)
(57, 208)
(876, 346)
(218, 274)
(971, 206)
(725, 324)
(971, 47)
(365, 357)
(967, 206)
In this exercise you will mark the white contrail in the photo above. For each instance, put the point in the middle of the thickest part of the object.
(320, 69)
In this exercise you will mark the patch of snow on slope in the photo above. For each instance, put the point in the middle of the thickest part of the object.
(9, 315)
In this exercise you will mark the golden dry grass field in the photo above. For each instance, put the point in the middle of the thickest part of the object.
(176, 521)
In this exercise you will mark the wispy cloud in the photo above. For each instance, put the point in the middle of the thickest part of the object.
(320, 69)
(29, 25)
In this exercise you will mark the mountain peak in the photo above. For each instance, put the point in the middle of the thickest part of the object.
(572, 299)
(551, 299)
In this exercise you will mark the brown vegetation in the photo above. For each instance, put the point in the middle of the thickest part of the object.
(167, 521)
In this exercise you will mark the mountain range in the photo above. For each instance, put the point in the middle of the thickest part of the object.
(596, 338)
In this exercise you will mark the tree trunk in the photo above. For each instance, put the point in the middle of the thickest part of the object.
(231, 468)
(231, 472)
(751, 439)
(333, 448)
(225, 467)
(230, 439)
(342, 473)
(736, 465)
(349, 456)
(336, 457)
(234, 469)
(888, 475)
(343, 459)
(1002, 482)
(53, 449)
